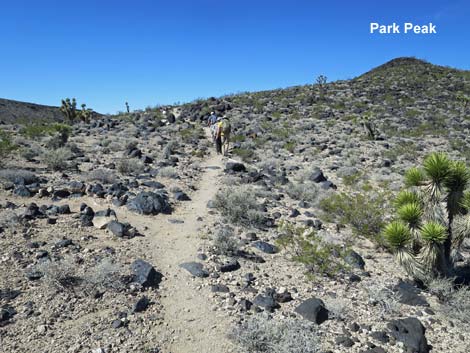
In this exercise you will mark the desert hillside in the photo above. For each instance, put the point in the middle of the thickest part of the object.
(14, 111)
(129, 233)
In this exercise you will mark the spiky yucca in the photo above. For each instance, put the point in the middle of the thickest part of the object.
(433, 217)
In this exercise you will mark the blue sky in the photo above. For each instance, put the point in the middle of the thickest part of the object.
(159, 52)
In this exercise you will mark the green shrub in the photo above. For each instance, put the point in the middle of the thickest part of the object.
(14, 175)
(129, 166)
(303, 190)
(57, 159)
(306, 247)
(168, 172)
(239, 205)
(259, 334)
(36, 131)
(244, 153)
(6, 145)
(224, 242)
(365, 213)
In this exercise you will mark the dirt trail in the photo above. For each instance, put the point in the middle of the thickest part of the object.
(191, 323)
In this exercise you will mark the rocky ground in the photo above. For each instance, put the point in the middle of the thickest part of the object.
(134, 235)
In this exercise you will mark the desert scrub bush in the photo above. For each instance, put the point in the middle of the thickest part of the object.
(35, 131)
(169, 149)
(305, 191)
(57, 159)
(18, 176)
(102, 175)
(239, 205)
(224, 242)
(6, 145)
(457, 305)
(338, 308)
(29, 153)
(384, 298)
(105, 275)
(261, 334)
(305, 246)
(246, 154)
(129, 166)
(59, 276)
(168, 172)
(194, 133)
(364, 212)
(432, 217)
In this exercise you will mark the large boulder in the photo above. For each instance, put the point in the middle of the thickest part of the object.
(145, 274)
(149, 203)
(314, 310)
(411, 332)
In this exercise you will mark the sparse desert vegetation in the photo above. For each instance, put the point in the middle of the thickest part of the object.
(337, 223)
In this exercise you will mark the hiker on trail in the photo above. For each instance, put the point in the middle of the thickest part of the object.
(211, 122)
(222, 135)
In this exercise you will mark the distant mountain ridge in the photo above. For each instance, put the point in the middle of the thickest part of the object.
(14, 111)
(398, 83)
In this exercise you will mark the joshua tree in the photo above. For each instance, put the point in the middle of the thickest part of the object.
(432, 217)
(86, 114)
(127, 107)
(464, 101)
(369, 127)
(69, 109)
(321, 82)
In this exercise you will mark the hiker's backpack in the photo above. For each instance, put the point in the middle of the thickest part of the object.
(225, 127)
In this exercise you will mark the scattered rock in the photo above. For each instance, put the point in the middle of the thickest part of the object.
(195, 268)
(145, 274)
(149, 203)
(313, 310)
(141, 305)
(411, 332)
(265, 247)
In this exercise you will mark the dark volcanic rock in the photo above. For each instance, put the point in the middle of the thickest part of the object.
(149, 203)
(181, 196)
(145, 274)
(411, 332)
(317, 176)
(61, 194)
(22, 191)
(266, 302)
(235, 167)
(344, 341)
(220, 288)
(355, 260)
(228, 265)
(313, 310)
(141, 305)
(195, 268)
(409, 294)
(6, 313)
(117, 228)
(265, 247)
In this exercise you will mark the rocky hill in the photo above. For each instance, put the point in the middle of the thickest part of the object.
(11, 111)
(129, 233)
